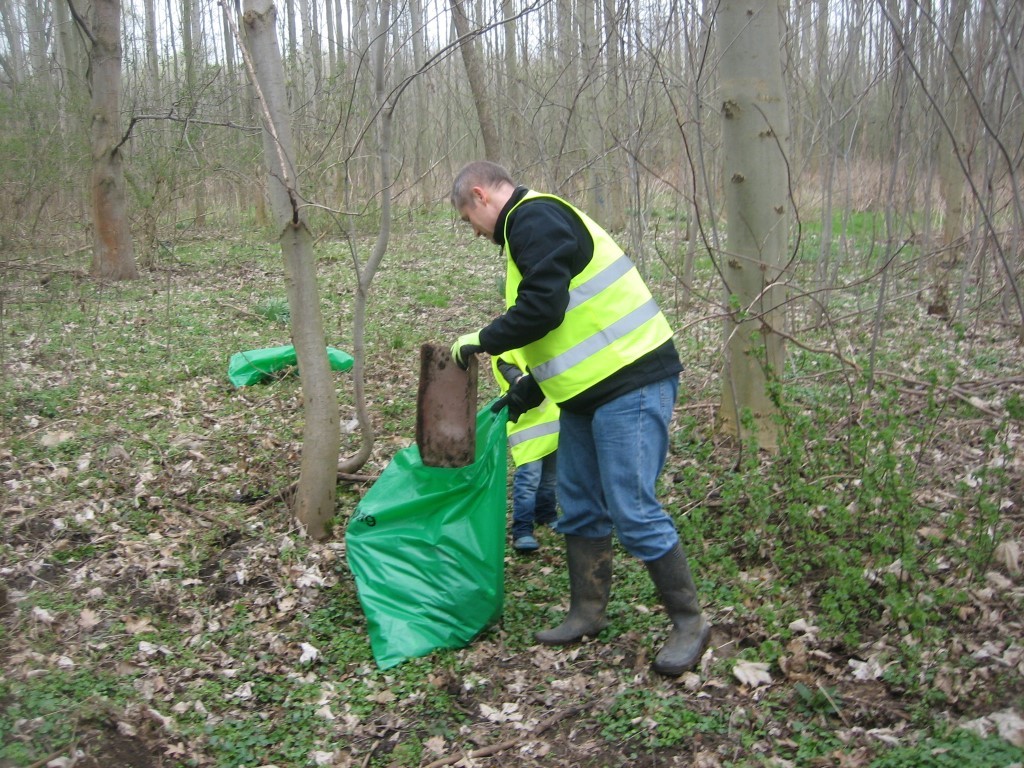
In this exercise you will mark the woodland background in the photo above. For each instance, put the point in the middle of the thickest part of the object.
(911, 109)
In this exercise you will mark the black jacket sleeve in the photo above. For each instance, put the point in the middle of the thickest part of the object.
(508, 371)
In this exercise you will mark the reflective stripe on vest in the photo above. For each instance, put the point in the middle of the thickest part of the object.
(599, 282)
(600, 340)
(535, 435)
(536, 441)
(611, 319)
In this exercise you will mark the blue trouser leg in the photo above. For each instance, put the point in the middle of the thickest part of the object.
(608, 468)
(525, 482)
(546, 509)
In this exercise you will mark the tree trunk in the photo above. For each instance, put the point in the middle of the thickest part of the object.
(152, 54)
(614, 206)
(14, 57)
(513, 74)
(113, 257)
(597, 202)
(194, 47)
(366, 273)
(423, 143)
(477, 82)
(305, 66)
(951, 150)
(314, 499)
(38, 37)
(230, 65)
(755, 137)
(72, 60)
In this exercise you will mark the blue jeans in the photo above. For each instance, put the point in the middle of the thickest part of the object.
(534, 486)
(609, 466)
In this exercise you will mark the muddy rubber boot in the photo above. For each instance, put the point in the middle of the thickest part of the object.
(590, 583)
(690, 632)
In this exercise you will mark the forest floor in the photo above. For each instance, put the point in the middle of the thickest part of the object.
(159, 607)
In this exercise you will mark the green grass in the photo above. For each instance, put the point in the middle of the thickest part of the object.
(654, 719)
(953, 749)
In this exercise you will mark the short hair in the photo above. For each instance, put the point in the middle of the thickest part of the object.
(479, 173)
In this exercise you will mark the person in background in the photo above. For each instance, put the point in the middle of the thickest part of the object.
(594, 342)
(533, 443)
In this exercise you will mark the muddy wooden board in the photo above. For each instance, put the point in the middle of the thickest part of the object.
(446, 409)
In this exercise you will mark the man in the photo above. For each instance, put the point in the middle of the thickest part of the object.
(596, 344)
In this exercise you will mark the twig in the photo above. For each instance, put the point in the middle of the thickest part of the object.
(357, 478)
(831, 701)
(501, 746)
(80, 22)
(241, 311)
(953, 391)
(285, 494)
(195, 511)
(369, 755)
(43, 761)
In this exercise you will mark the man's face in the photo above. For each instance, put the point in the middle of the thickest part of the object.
(481, 213)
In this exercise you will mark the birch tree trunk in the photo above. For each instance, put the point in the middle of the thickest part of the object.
(755, 137)
(313, 503)
(113, 257)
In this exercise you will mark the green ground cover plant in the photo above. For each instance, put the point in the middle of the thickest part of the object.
(159, 606)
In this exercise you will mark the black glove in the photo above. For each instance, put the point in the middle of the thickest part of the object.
(521, 397)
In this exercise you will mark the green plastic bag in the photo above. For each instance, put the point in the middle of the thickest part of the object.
(427, 548)
(256, 365)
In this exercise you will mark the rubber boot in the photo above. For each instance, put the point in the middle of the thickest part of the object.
(690, 632)
(590, 584)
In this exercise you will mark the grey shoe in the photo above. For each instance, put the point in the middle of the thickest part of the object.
(690, 632)
(525, 544)
(590, 584)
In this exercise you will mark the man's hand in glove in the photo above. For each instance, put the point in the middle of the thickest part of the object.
(521, 397)
(465, 347)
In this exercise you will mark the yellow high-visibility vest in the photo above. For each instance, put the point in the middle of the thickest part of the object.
(612, 319)
(535, 435)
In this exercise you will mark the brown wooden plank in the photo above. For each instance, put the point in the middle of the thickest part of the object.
(446, 409)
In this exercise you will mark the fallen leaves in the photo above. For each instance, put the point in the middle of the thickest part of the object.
(1008, 554)
(752, 674)
(88, 619)
(137, 625)
(127, 556)
(1007, 723)
(310, 653)
(53, 439)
